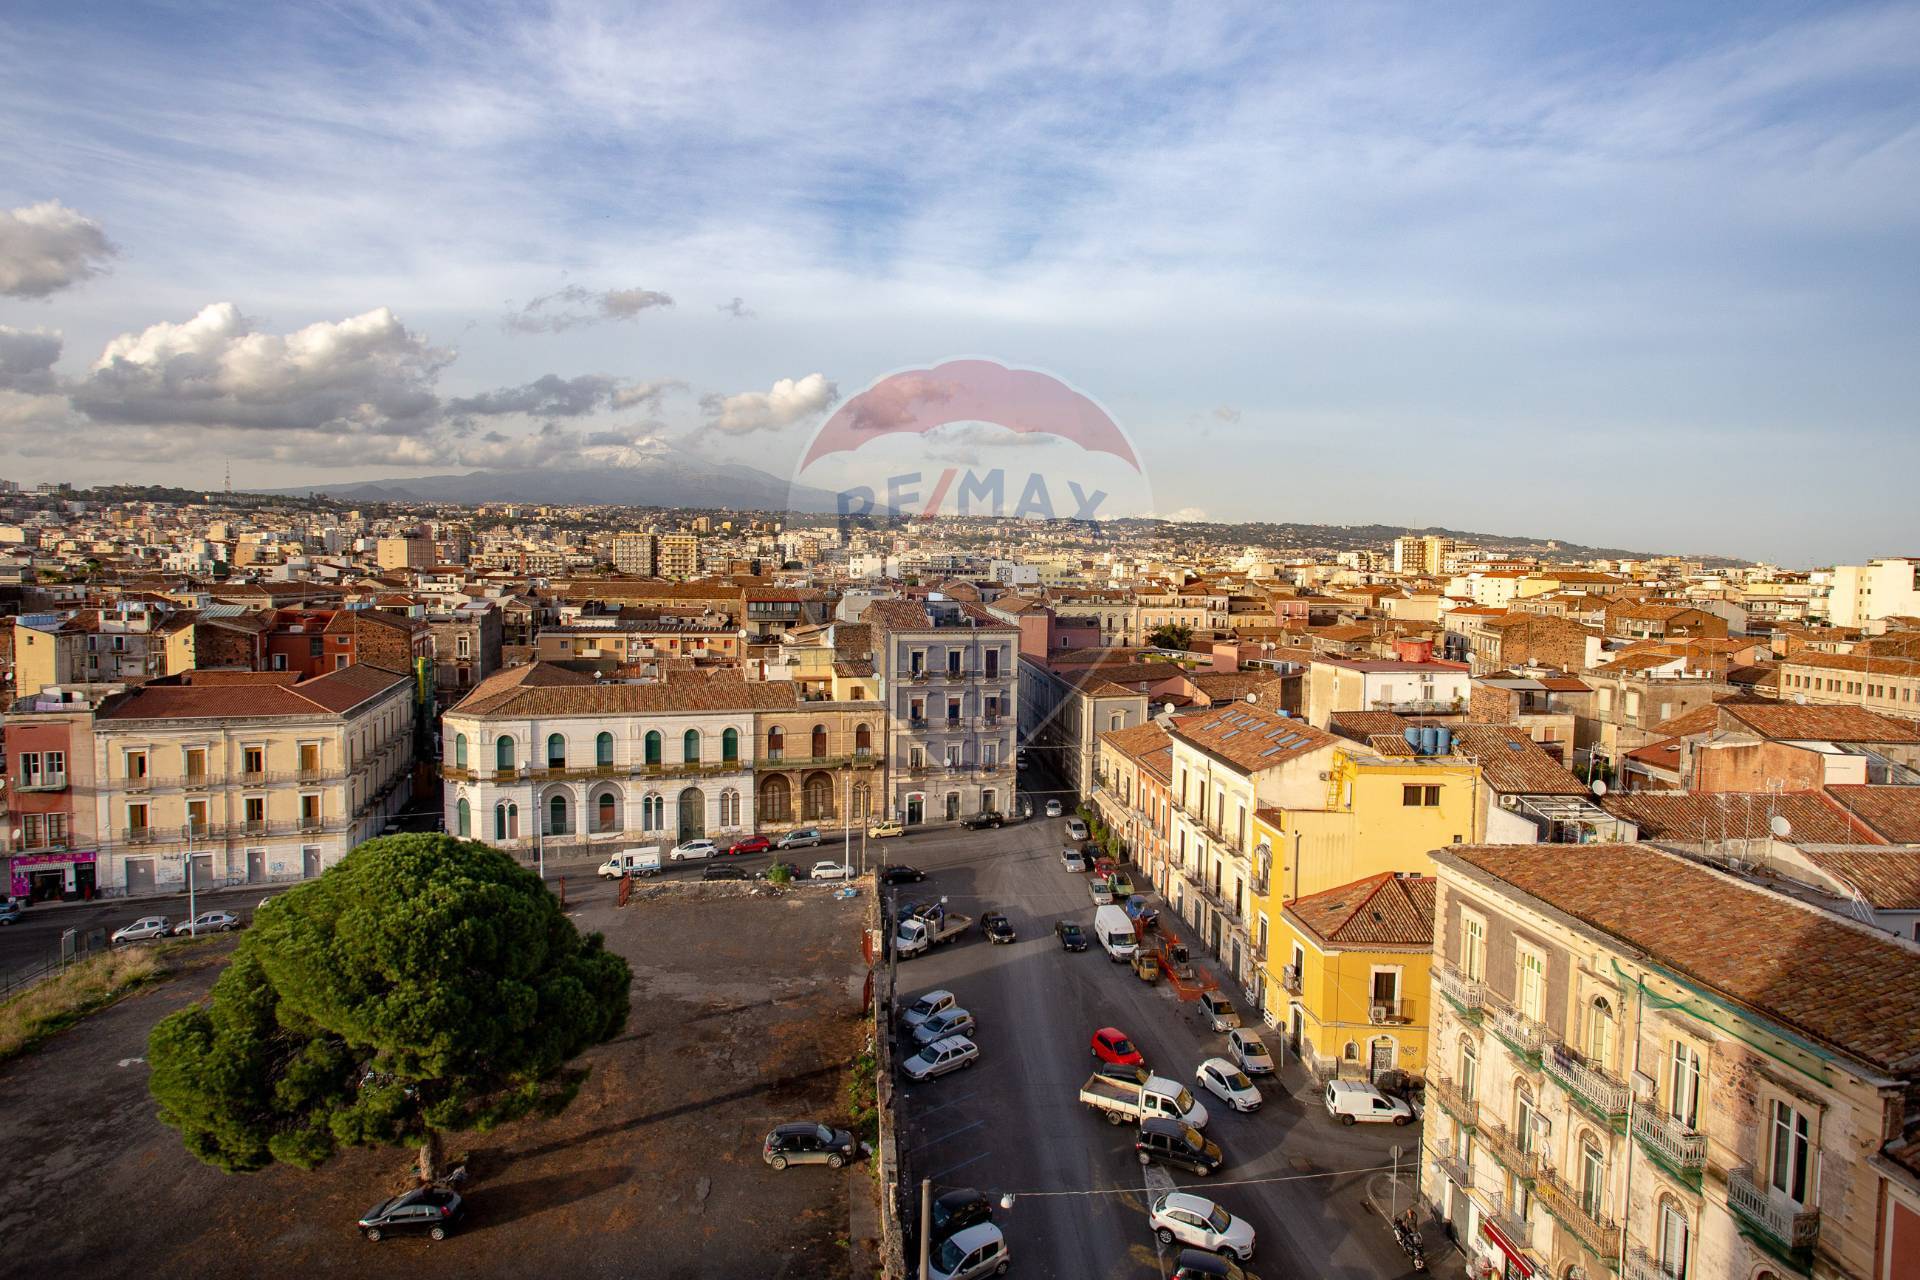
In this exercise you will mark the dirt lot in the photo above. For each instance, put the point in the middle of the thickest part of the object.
(744, 1014)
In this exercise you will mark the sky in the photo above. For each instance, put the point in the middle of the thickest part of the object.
(1632, 275)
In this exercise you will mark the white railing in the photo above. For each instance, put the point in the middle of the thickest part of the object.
(1459, 988)
(1793, 1225)
(1669, 1139)
(1599, 1087)
(1517, 1229)
(1515, 1027)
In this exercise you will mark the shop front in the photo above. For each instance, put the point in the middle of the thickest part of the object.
(49, 877)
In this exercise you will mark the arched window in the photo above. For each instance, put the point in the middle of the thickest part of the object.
(730, 746)
(1593, 1179)
(1523, 1113)
(819, 749)
(776, 742)
(500, 822)
(862, 800)
(459, 750)
(862, 740)
(1600, 1030)
(729, 806)
(463, 817)
(653, 810)
(690, 746)
(503, 753)
(556, 751)
(557, 816)
(653, 746)
(605, 813)
(1675, 1241)
(603, 750)
(1352, 1052)
(1469, 1069)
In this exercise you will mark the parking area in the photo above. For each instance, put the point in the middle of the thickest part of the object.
(745, 1015)
(1013, 1123)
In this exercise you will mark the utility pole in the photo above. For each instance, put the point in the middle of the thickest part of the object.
(926, 1224)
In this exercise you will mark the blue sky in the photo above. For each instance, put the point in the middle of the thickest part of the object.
(1638, 275)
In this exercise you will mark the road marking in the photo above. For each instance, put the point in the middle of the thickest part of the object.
(950, 1102)
(1158, 1182)
(934, 1142)
(954, 1168)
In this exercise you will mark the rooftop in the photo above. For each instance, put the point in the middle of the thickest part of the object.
(1388, 910)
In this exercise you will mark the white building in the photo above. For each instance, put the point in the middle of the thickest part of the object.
(1864, 593)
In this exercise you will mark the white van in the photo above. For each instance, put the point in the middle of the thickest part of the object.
(632, 862)
(1114, 927)
(1349, 1101)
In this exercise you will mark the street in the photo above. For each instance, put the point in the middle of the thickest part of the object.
(1013, 1123)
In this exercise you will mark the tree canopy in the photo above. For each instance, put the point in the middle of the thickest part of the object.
(423, 985)
(1170, 635)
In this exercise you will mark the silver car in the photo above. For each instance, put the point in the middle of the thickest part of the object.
(940, 1057)
(144, 929)
(208, 922)
(948, 1022)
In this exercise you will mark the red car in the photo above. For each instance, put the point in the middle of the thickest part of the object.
(1110, 1044)
(752, 844)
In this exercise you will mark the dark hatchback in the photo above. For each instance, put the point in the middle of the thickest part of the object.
(428, 1211)
(900, 874)
(958, 1210)
(1070, 935)
(983, 821)
(724, 872)
(1173, 1142)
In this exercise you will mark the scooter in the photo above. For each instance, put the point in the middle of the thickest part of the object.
(1409, 1240)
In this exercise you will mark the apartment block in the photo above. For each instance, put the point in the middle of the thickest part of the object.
(1643, 1066)
(633, 553)
(677, 555)
(1863, 593)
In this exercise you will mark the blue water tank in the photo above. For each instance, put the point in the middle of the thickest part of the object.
(1413, 739)
(1446, 742)
(1429, 740)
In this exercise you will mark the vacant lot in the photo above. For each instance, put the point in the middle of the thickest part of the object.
(744, 1014)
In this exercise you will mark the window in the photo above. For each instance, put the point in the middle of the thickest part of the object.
(459, 750)
(1523, 1113)
(1600, 1030)
(1420, 797)
(1674, 1241)
(556, 751)
(1469, 1069)
(503, 754)
(1473, 948)
(1533, 984)
(557, 816)
(1683, 1085)
(862, 740)
(603, 750)
(729, 807)
(653, 811)
(653, 746)
(690, 747)
(1790, 1141)
(463, 818)
(1593, 1180)
(819, 742)
(136, 766)
(136, 818)
(605, 813)
(1386, 990)
(730, 746)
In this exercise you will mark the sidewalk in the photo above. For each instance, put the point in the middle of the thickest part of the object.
(1385, 1197)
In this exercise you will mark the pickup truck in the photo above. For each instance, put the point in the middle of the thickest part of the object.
(1124, 1102)
(632, 862)
(933, 926)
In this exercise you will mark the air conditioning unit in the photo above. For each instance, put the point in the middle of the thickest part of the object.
(1643, 1086)
(1380, 1013)
(1326, 776)
(1509, 802)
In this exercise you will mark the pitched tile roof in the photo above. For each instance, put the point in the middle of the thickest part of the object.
(1513, 763)
(1703, 816)
(244, 694)
(542, 690)
(1792, 722)
(1885, 666)
(1364, 725)
(1249, 737)
(1892, 812)
(1384, 911)
(1889, 879)
(1830, 980)
(1138, 741)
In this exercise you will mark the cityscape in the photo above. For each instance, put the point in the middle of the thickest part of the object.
(887, 675)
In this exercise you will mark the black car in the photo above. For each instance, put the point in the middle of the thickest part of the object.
(982, 821)
(958, 1210)
(766, 873)
(1070, 935)
(997, 927)
(1176, 1143)
(807, 1143)
(899, 874)
(724, 871)
(428, 1210)
(1197, 1264)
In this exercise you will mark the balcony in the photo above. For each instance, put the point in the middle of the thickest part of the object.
(1522, 1034)
(1455, 1167)
(44, 782)
(1515, 1226)
(1599, 1233)
(1290, 978)
(1442, 1089)
(917, 724)
(1676, 1147)
(1467, 995)
(1511, 1149)
(140, 835)
(1594, 1089)
(253, 777)
(1788, 1225)
(1641, 1265)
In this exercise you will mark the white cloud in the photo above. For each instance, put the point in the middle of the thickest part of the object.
(47, 247)
(26, 359)
(574, 306)
(788, 402)
(367, 374)
(737, 308)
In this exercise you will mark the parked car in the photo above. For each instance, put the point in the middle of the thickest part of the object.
(1218, 1012)
(799, 838)
(1053, 809)
(997, 927)
(9, 912)
(977, 1251)
(144, 928)
(983, 821)
(1184, 1218)
(791, 868)
(948, 1022)
(1250, 1051)
(1195, 1265)
(955, 1211)
(1072, 861)
(1175, 1142)
(748, 845)
(807, 1143)
(831, 871)
(1229, 1084)
(1070, 935)
(207, 922)
(885, 828)
(1076, 829)
(1110, 1044)
(1351, 1101)
(693, 850)
(898, 873)
(721, 871)
(949, 1054)
(1143, 913)
(428, 1211)
(926, 1006)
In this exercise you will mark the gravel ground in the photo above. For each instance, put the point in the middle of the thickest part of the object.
(745, 1014)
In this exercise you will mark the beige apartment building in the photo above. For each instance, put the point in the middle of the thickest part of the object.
(246, 776)
(1644, 1067)
(411, 552)
(633, 553)
(677, 555)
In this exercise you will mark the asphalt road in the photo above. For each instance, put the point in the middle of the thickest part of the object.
(1013, 1122)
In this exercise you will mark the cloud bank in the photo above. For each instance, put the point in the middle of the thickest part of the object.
(48, 247)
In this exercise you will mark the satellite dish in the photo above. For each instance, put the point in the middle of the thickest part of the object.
(1780, 827)
(1253, 697)
(1599, 786)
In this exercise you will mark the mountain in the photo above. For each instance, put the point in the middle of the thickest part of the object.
(655, 473)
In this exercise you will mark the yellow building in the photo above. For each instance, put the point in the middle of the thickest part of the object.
(1355, 976)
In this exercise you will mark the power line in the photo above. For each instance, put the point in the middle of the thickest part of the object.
(1239, 1182)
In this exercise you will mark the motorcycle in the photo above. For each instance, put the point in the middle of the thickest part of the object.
(1408, 1237)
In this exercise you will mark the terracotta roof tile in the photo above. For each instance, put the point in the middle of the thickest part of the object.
(1788, 721)
(1696, 817)
(1892, 812)
(1513, 763)
(1385, 910)
(1249, 737)
(1889, 879)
